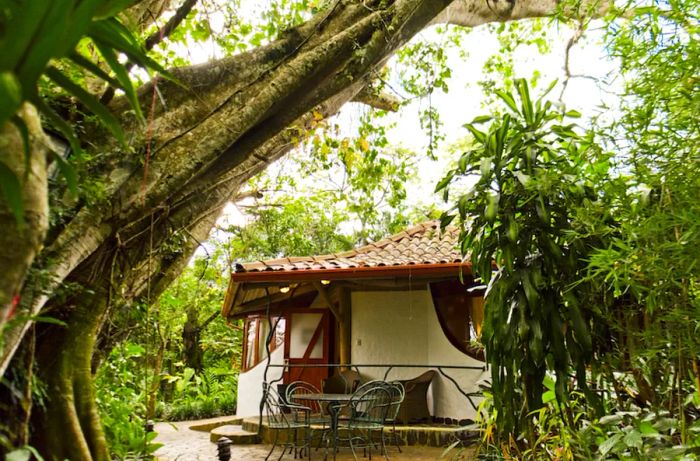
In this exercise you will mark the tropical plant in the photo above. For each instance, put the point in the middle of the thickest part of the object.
(121, 398)
(531, 176)
(53, 40)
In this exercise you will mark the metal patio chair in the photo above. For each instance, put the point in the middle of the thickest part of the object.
(319, 419)
(288, 417)
(398, 393)
(369, 407)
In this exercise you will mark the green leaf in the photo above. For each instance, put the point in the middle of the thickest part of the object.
(549, 88)
(134, 350)
(573, 114)
(486, 165)
(10, 95)
(646, 428)
(27, 18)
(111, 33)
(57, 122)
(12, 190)
(481, 119)
(112, 8)
(526, 102)
(610, 419)
(49, 320)
(122, 75)
(446, 220)
(93, 68)
(49, 42)
(99, 109)
(478, 135)
(444, 182)
(633, 439)
(609, 444)
(508, 99)
(20, 454)
(522, 178)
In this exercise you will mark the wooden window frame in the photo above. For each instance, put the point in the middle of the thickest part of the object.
(258, 319)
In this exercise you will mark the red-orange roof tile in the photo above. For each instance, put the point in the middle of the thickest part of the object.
(421, 244)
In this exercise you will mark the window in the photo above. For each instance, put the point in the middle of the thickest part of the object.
(256, 331)
(460, 311)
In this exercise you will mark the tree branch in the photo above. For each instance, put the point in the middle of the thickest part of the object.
(155, 38)
(378, 100)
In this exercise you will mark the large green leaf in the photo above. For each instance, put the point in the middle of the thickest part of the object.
(10, 95)
(99, 109)
(122, 75)
(58, 122)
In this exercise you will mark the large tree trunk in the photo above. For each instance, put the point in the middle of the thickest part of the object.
(19, 245)
(68, 426)
(237, 115)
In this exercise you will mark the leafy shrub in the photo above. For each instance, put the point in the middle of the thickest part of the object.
(121, 401)
(210, 394)
(572, 433)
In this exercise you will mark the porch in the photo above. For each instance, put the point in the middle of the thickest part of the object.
(191, 440)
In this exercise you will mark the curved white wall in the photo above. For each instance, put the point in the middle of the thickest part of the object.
(402, 327)
(250, 384)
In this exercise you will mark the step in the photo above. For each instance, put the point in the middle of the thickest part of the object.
(251, 424)
(209, 424)
(235, 433)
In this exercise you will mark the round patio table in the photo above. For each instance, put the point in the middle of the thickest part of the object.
(335, 403)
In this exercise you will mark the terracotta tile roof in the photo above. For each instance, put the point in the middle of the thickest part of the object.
(421, 244)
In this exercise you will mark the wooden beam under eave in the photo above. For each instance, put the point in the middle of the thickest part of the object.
(327, 299)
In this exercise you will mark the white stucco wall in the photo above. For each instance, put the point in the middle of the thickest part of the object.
(402, 327)
(250, 384)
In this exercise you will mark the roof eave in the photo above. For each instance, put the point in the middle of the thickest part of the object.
(351, 273)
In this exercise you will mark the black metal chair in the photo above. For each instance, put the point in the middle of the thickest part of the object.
(398, 393)
(292, 419)
(369, 407)
(319, 420)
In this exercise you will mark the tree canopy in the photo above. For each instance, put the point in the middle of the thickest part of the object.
(149, 157)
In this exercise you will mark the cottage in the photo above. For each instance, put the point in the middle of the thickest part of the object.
(393, 309)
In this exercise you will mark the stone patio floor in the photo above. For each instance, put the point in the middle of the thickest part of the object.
(180, 443)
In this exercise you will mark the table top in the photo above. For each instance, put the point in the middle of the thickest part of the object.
(323, 397)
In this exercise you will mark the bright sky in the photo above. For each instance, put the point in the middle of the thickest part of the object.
(465, 99)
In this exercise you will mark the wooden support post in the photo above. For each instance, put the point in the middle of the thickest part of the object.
(345, 321)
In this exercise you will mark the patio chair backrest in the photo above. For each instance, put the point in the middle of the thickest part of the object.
(371, 404)
(281, 413)
(397, 393)
(295, 394)
(370, 384)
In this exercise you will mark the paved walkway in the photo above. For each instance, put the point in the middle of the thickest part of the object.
(180, 443)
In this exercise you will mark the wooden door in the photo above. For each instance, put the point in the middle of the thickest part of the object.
(307, 342)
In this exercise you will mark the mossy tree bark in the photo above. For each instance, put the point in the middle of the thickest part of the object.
(19, 245)
(237, 115)
(67, 426)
